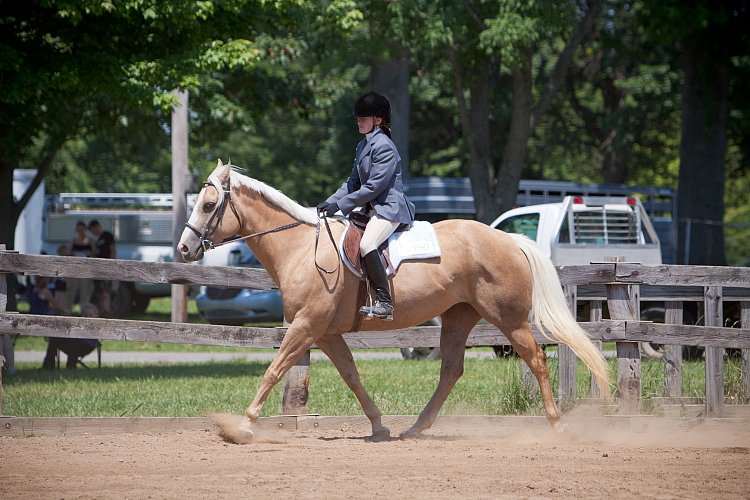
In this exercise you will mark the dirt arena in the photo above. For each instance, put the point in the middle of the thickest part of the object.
(496, 458)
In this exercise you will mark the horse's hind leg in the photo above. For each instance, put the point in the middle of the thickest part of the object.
(527, 348)
(336, 349)
(457, 324)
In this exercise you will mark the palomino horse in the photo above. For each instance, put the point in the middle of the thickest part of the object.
(482, 273)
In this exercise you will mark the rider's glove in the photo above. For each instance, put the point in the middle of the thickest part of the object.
(327, 209)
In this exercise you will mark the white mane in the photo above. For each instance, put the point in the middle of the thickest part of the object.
(274, 196)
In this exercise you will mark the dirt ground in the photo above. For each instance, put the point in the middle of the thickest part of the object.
(592, 459)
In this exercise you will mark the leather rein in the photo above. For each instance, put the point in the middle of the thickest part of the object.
(218, 215)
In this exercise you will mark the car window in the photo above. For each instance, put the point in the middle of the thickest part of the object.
(527, 224)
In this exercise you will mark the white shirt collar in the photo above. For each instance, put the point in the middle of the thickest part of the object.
(375, 131)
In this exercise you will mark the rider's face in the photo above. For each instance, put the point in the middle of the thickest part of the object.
(365, 124)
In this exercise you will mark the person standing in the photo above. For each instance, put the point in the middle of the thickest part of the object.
(374, 184)
(105, 249)
(82, 245)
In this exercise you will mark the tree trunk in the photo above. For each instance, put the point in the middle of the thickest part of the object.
(494, 193)
(9, 220)
(514, 157)
(615, 165)
(475, 125)
(391, 78)
(703, 150)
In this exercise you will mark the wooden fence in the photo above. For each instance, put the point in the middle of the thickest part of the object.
(618, 286)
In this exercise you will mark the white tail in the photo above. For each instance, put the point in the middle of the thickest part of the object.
(550, 314)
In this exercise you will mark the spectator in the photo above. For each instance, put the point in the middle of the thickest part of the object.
(81, 246)
(40, 297)
(105, 249)
(74, 349)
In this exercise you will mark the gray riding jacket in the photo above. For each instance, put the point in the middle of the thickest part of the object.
(376, 179)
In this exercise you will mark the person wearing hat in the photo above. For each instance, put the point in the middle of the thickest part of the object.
(375, 185)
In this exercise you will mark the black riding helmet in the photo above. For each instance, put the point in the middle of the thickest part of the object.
(373, 104)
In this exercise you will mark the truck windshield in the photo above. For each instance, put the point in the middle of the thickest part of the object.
(527, 224)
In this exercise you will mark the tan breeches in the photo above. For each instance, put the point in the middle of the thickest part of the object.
(377, 231)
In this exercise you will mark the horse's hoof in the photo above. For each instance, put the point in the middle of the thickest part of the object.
(381, 435)
(234, 428)
(410, 434)
(560, 427)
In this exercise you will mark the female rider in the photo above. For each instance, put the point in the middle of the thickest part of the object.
(374, 184)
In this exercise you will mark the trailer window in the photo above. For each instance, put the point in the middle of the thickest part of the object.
(527, 224)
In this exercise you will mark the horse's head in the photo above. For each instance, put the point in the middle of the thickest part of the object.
(210, 221)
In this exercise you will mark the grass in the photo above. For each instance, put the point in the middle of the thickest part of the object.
(488, 387)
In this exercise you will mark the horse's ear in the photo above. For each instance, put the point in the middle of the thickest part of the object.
(219, 164)
(224, 171)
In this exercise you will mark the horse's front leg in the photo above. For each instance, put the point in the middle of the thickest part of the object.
(298, 339)
(339, 353)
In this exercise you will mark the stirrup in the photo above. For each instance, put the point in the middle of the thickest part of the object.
(381, 310)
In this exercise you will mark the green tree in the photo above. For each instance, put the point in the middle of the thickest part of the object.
(616, 90)
(71, 68)
(501, 90)
(709, 37)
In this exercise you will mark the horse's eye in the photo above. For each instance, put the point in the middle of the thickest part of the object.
(208, 207)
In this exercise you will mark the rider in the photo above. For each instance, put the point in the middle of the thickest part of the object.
(375, 184)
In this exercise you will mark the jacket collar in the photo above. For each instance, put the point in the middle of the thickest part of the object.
(368, 145)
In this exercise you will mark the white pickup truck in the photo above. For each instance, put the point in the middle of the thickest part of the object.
(581, 230)
(586, 229)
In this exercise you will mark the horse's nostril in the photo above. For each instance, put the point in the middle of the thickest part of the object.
(183, 248)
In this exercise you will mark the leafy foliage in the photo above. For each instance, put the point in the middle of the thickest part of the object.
(271, 85)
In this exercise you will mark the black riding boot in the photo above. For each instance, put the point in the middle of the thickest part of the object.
(383, 307)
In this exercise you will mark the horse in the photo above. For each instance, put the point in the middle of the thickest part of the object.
(482, 273)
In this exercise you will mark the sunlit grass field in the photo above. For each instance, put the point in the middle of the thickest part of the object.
(399, 387)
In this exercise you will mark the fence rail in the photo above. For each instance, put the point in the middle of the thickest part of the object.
(621, 284)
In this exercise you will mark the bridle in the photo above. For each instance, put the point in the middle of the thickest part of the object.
(218, 215)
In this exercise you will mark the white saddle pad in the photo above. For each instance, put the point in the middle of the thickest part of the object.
(419, 242)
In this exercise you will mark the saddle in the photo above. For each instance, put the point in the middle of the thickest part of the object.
(357, 223)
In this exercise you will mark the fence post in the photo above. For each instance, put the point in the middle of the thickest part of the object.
(714, 355)
(566, 358)
(745, 322)
(673, 353)
(622, 301)
(296, 386)
(595, 315)
(3, 305)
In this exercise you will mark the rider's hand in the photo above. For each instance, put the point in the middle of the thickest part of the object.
(327, 209)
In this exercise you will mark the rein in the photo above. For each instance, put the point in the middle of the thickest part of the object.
(208, 231)
(261, 233)
(317, 237)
